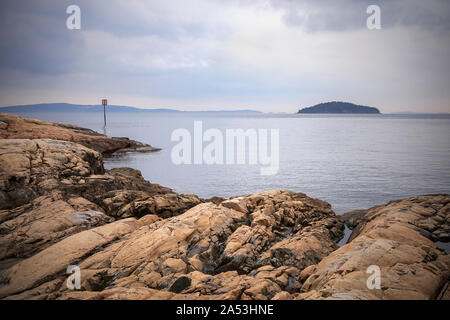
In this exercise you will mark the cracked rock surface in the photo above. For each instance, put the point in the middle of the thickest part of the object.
(211, 251)
(398, 238)
(52, 189)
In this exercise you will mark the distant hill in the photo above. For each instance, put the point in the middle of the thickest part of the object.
(67, 107)
(338, 107)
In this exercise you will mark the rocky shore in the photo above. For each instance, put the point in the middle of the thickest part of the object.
(133, 239)
(15, 127)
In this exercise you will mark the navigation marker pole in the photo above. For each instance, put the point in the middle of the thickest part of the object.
(104, 103)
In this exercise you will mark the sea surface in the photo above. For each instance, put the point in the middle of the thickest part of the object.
(351, 161)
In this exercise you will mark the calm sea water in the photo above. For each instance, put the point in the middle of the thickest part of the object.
(351, 161)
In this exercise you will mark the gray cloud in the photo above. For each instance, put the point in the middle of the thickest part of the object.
(344, 15)
(267, 55)
(33, 38)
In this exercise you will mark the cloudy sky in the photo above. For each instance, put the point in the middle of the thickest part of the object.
(269, 55)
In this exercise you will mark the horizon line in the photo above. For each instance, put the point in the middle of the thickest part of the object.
(199, 111)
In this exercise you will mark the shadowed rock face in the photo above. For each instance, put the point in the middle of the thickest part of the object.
(30, 168)
(15, 127)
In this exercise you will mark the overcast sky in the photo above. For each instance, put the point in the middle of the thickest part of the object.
(277, 55)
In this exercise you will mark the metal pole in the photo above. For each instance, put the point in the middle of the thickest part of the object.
(104, 114)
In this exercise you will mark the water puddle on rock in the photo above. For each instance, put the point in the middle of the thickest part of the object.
(443, 245)
(347, 234)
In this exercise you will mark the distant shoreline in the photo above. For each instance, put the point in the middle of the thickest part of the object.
(67, 107)
(75, 108)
